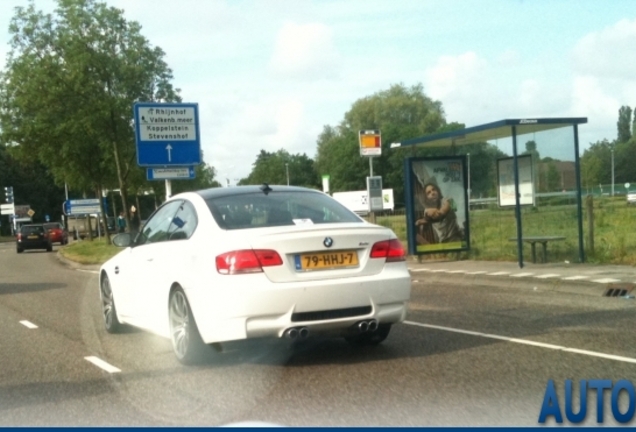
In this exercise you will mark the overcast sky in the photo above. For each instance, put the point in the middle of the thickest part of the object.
(270, 74)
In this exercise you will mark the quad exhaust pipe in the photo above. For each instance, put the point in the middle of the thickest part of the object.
(302, 333)
(296, 333)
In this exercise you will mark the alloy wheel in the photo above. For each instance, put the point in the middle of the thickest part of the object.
(109, 313)
(180, 324)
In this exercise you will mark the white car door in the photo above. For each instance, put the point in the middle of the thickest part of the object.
(169, 261)
(145, 253)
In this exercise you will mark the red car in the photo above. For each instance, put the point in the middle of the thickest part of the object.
(57, 232)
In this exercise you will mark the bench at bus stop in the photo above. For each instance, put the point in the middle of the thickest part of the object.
(543, 240)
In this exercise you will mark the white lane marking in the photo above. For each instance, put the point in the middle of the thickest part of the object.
(438, 270)
(521, 274)
(415, 281)
(420, 270)
(498, 273)
(606, 280)
(28, 324)
(89, 271)
(575, 277)
(457, 271)
(546, 276)
(102, 364)
(526, 342)
(477, 272)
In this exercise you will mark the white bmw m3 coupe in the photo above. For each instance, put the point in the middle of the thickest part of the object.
(226, 264)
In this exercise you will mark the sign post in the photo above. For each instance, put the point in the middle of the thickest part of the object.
(167, 136)
(370, 146)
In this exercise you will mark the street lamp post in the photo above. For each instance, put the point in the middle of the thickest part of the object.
(468, 154)
(287, 172)
(612, 172)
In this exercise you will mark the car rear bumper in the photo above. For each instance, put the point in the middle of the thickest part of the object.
(33, 245)
(246, 308)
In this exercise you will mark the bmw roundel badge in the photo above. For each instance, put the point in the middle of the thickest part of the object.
(328, 242)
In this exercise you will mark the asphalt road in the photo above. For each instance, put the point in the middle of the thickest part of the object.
(467, 356)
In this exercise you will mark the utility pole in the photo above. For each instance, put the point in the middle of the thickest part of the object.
(612, 172)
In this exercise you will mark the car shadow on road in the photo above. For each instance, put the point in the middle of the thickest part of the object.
(313, 351)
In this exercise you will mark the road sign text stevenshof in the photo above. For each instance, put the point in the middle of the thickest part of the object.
(167, 134)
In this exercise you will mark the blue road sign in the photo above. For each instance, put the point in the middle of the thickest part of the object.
(173, 173)
(167, 134)
(82, 206)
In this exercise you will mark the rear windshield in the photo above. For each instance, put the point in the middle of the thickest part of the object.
(257, 210)
(32, 229)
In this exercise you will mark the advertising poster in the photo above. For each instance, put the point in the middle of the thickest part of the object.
(438, 204)
(506, 178)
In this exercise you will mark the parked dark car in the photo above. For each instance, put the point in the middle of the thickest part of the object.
(33, 237)
(57, 232)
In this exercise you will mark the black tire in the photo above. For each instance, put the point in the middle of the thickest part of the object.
(18, 250)
(49, 248)
(109, 311)
(187, 343)
(370, 338)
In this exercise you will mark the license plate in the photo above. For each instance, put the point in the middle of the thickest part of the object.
(326, 260)
(33, 237)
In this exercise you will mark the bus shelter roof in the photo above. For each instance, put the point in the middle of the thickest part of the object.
(490, 131)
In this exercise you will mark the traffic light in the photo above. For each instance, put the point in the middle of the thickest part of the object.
(8, 194)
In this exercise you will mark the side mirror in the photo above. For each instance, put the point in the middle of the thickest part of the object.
(122, 240)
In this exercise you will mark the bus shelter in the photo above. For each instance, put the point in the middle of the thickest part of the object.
(521, 177)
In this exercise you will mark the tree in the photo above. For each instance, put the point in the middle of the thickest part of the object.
(483, 167)
(67, 93)
(32, 184)
(531, 149)
(553, 177)
(272, 168)
(624, 124)
(399, 113)
(596, 164)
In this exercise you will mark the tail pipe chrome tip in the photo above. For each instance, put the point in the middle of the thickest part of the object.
(291, 333)
(373, 325)
(303, 333)
(363, 326)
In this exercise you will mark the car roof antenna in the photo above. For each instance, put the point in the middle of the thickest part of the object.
(265, 188)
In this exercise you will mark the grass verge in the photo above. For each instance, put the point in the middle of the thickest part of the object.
(89, 252)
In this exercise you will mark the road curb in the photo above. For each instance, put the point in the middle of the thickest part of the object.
(75, 265)
(490, 277)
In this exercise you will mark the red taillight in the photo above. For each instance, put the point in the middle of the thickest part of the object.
(247, 261)
(19, 236)
(392, 250)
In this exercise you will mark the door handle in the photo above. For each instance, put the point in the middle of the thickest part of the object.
(149, 259)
